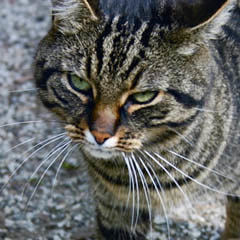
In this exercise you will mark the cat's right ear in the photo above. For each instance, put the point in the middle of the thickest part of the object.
(70, 16)
(207, 16)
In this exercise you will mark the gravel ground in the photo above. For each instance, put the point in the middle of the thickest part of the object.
(61, 213)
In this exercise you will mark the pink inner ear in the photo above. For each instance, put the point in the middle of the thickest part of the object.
(192, 13)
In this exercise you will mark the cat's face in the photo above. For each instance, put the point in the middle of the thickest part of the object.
(119, 90)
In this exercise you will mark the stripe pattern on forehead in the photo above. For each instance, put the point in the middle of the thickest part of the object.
(120, 53)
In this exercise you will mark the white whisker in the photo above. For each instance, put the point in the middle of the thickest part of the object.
(130, 178)
(145, 189)
(194, 180)
(25, 90)
(205, 110)
(202, 166)
(182, 136)
(62, 148)
(161, 198)
(59, 136)
(169, 174)
(49, 155)
(138, 197)
(133, 191)
(60, 165)
(20, 144)
(156, 188)
(60, 144)
(19, 123)
(49, 141)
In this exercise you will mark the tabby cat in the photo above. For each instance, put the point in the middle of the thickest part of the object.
(150, 91)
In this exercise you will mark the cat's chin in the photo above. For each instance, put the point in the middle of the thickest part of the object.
(99, 153)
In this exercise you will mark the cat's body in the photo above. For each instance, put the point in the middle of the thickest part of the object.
(150, 91)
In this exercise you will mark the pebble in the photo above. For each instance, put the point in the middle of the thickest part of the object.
(78, 218)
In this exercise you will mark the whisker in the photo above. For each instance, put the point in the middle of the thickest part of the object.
(61, 135)
(18, 145)
(182, 136)
(233, 115)
(202, 166)
(62, 148)
(145, 189)
(194, 180)
(133, 190)
(57, 146)
(24, 90)
(60, 165)
(138, 198)
(130, 178)
(133, 196)
(47, 156)
(19, 123)
(169, 174)
(49, 141)
(27, 122)
(161, 199)
(156, 188)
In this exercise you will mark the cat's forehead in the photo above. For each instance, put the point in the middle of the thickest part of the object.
(118, 60)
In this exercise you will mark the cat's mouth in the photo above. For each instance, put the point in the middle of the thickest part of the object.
(105, 150)
(110, 148)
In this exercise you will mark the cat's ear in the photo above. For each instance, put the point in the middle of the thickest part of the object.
(70, 16)
(192, 13)
(205, 14)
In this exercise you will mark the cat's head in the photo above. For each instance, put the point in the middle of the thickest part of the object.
(125, 75)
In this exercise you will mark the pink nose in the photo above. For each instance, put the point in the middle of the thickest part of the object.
(100, 137)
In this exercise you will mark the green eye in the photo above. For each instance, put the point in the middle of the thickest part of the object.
(78, 83)
(144, 97)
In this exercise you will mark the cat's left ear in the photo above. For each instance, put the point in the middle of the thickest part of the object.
(70, 16)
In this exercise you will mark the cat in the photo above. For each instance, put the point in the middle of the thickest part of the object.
(150, 92)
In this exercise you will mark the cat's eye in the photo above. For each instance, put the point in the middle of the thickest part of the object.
(78, 83)
(144, 97)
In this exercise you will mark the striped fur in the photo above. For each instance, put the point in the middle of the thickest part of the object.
(145, 157)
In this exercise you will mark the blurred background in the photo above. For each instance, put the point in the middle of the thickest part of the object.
(24, 123)
(30, 213)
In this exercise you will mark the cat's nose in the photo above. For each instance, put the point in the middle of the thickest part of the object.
(100, 137)
(103, 122)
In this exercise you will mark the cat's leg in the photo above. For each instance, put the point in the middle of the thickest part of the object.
(232, 225)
